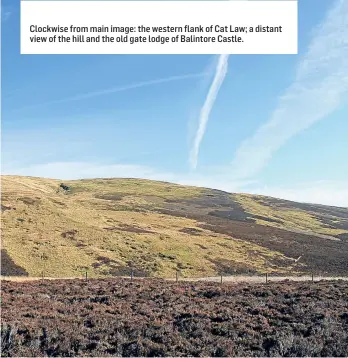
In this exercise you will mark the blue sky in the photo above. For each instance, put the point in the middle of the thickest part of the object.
(278, 125)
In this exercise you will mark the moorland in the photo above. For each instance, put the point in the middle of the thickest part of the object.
(107, 226)
(155, 317)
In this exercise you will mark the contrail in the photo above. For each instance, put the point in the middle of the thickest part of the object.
(320, 87)
(117, 89)
(220, 73)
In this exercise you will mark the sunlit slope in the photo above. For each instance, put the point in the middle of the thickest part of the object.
(106, 225)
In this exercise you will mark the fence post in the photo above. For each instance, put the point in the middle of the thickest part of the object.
(86, 275)
(266, 277)
(132, 274)
(312, 277)
(221, 279)
(42, 275)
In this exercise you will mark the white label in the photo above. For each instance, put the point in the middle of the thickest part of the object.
(159, 27)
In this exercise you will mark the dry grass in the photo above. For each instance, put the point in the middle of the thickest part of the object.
(288, 218)
(75, 230)
(135, 187)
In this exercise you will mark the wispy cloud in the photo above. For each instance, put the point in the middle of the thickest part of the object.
(6, 12)
(112, 90)
(220, 73)
(320, 87)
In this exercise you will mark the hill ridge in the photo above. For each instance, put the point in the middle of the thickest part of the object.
(104, 225)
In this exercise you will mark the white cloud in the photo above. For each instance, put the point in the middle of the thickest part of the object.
(79, 170)
(320, 87)
(220, 73)
(319, 192)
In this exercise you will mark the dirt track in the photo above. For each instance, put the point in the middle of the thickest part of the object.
(260, 279)
(226, 279)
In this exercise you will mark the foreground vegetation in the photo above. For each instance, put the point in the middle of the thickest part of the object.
(117, 317)
(106, 226)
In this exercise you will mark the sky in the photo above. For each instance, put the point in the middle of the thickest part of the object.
(264, 124)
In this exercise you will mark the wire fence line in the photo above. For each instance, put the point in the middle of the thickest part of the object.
(265, 278)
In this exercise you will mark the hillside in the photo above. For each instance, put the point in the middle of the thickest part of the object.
(106, 225)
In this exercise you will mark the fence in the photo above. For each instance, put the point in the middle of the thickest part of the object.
(265, 278)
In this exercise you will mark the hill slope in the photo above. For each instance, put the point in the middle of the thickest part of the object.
(106, 225)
